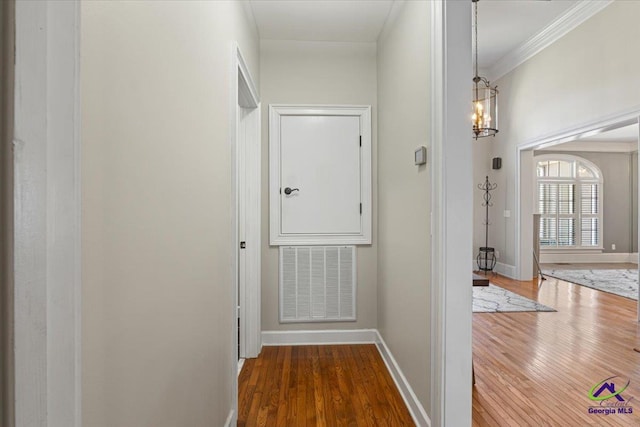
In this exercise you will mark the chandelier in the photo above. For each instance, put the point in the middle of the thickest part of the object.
(485, 97)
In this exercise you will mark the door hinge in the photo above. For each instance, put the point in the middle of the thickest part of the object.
(360, 208)
(360, 140)
(243, 245)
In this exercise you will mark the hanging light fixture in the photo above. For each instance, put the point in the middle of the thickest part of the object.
(485, 97)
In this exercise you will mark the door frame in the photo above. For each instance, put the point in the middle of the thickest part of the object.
(451, 213)
(246, 188)
(46, 215)
(525, 176)
(6, 212)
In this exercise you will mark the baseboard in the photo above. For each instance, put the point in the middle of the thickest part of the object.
(500, 268)
(506, 270)
(334, 336)
(585, 258)
(240, 365)
(230, 419)
(416, 409)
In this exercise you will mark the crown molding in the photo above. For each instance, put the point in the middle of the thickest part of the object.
(547, 36)
(392, 16)
(595, 146)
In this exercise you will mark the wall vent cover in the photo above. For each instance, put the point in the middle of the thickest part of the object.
(317, 283)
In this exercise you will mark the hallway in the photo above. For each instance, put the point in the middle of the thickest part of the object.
(319, 386)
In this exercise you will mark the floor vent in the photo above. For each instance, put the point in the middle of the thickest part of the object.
(317, 283)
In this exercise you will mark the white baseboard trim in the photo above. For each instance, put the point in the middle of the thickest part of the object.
(334, 336)
(585, 258)
(231, 422)
(501, 268)
(416, 409)
(506, 270)
(240, 365)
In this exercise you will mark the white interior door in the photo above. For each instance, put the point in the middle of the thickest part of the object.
(320, 178)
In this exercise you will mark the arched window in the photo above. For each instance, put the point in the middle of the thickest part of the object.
(569, 202)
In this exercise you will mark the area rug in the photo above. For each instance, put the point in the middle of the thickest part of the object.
(493, 299)
(618, 282)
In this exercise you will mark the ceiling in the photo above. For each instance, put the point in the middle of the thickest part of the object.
(321, 20)
(623, 134)
(503, 25)
(623, 139)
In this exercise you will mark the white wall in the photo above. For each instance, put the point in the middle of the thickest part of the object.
(157, 295)
(404, 194)
(590, 73)
(294, 72)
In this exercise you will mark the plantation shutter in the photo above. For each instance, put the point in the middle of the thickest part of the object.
(547, 208)
(590, 225)
(569, 200)
(567, 217)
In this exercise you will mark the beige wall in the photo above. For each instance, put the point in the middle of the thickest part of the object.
(317, 73)
(481, 169)
(157, 220)
(589, 74)
(404, 195)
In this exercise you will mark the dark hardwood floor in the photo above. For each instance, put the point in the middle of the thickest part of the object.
(328, 385)
(536, 369)
(532, 369)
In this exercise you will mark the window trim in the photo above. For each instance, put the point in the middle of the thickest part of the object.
(578, 181)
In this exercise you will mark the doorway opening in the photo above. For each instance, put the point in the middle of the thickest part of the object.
(595, 133)
(246, 186)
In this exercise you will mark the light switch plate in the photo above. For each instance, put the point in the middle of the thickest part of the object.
(420, 155)
(507, 214)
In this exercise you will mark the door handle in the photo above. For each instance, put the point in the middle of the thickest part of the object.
(288, 190)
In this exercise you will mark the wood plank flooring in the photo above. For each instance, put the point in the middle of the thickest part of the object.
(536, 369)
(328, 385)
(532, 369)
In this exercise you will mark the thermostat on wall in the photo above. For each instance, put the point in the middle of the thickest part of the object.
(420, 155)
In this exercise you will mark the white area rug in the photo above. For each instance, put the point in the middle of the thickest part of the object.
(619, 282)
(493, 299)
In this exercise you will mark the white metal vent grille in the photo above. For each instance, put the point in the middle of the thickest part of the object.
(317, 283)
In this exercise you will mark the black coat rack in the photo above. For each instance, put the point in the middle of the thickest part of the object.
(487, 257)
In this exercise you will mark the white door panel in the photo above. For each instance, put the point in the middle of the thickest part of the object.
(320, 156)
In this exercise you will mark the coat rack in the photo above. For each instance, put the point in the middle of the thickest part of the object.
(486, 258)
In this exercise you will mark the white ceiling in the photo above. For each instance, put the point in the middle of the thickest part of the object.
(623, 134)
(621, 140)
(321, 20)
(503, 25)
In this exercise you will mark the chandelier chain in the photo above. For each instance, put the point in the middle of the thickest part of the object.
(475, 7)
